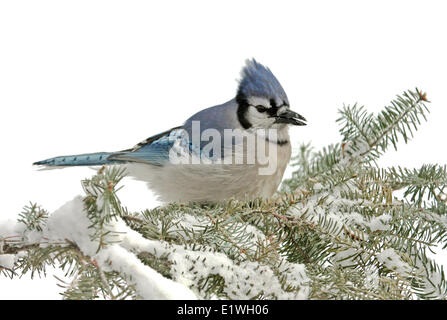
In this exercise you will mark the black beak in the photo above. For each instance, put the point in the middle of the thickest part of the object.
(290, 117)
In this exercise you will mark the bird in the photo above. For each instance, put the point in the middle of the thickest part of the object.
(209, 159)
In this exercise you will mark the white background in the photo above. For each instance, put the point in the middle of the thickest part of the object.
(87, 76)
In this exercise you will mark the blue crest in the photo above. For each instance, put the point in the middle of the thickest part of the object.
(259, 81)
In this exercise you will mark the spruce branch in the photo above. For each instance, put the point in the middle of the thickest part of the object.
(342, 228)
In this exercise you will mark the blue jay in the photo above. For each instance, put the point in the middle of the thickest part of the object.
(260, 104)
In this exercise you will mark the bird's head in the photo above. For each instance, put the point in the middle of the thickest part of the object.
(262, 102)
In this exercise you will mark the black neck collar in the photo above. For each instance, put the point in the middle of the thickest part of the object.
(242, 109)
(278, 142)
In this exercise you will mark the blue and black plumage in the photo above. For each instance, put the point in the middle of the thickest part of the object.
(260, 103)
(88, 159)
(153, 150)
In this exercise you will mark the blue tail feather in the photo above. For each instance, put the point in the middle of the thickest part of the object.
(153, 150)
(87, 159)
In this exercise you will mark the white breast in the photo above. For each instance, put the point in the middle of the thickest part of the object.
(216, 182)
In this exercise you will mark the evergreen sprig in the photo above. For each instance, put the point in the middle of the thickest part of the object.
(341, 228)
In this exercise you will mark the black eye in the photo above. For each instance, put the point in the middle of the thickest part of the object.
(261, 108)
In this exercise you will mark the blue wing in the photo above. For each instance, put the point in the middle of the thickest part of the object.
(154, 150)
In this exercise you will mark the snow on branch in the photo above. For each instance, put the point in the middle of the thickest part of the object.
(340, 228)
(69, 225)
